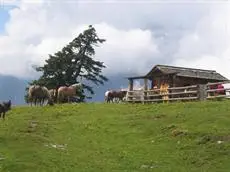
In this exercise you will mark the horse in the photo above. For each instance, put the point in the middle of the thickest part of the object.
(40, 94)
(110, 95)
(71, 91)
(4, 107)
(53, 93)
(107, 97)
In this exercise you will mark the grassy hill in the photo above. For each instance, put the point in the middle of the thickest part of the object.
(117, 137)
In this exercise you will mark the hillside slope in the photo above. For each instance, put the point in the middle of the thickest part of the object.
(117, 137)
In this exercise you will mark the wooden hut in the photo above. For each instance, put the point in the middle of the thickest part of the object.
(177, 76)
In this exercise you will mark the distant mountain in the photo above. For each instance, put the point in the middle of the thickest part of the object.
(14, 88)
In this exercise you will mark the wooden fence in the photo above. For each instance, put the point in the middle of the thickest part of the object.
(211, 93)
(189, 93)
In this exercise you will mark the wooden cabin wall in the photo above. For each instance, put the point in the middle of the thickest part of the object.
(163, 78)
(185, 81)
(176, 81)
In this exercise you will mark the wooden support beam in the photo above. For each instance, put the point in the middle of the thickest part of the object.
(130, 88)
(145, 88)
(152, 83)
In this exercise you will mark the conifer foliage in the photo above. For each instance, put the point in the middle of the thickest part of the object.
(74, 63)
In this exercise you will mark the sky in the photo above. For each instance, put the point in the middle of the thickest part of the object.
(3, 19)
(139, 34)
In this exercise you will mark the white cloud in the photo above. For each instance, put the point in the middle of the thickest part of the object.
(36, 30)
(208, 46)
(138, 35)
(126, 51)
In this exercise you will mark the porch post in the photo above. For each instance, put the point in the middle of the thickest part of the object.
(152, 83)
(130, 88)
(173, 85)
(145, 88)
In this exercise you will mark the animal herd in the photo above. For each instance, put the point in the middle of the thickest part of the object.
(38, 94)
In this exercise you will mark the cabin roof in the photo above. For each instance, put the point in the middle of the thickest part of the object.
(184, 72)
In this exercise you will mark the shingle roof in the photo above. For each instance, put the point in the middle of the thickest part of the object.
(188, 72)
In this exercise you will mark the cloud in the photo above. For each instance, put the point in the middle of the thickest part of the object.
(138, 35)
(208, 45)
(126, 51)
(36, 30)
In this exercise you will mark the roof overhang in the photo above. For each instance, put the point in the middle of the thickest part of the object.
(159, 70)
(137, 77)
(187, 76)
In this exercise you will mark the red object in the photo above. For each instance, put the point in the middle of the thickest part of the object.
(220, 86)
(213, 87)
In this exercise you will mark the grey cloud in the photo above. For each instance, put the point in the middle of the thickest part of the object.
(52, 24)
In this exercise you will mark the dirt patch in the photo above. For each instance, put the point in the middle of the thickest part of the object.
(213, 138)
(169, 127)
(155, 117)
(32, 126)
(175, 130)
(159, 116)
(180, 115)
(152, 117)
(179, 132)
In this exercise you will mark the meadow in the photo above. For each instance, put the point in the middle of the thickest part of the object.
(98, 137)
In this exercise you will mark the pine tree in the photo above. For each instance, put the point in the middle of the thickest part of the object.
(74, 63)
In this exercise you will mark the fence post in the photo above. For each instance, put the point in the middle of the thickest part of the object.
(202, 92)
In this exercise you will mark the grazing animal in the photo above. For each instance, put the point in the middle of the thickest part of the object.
(69, 92)
(112, 94)
(38, 94)
(107, 96)
(53, 94)
(4, 107)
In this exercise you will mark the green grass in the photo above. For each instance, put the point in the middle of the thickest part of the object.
(117, 137)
